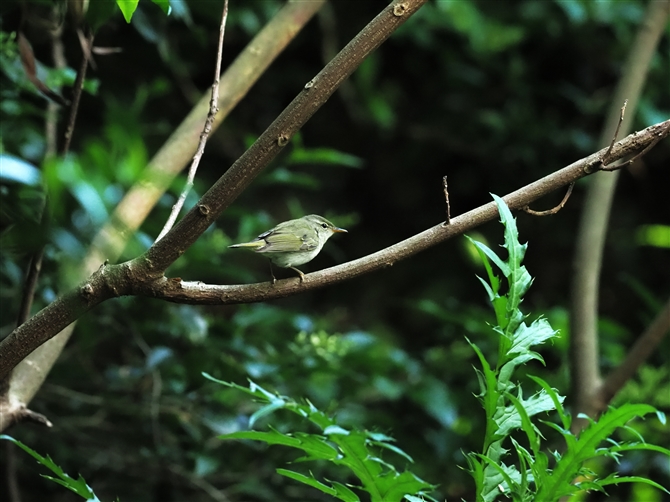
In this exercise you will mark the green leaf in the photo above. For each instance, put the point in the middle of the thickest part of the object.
(559, 481)
(277, 404)
(556, 398)
(653, 235)
(498, 479)
(489, 392)
(336, 490)
(78, 485)
(486, 254)
(393, 486)
(164, 5)
(393, 448)
(99, 12)
(315, 446)
(324, 156)
(509, 419)
(631, 479)
(353, 449)
(127, 8)
(527, 426)
(526, 336)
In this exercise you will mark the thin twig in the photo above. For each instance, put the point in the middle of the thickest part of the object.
(213, 109)
(86, 48)
(553, 210)
(76, 96)
(274, 139)
(29, 286)
(616, 132)
(446, 198)
(651, 145)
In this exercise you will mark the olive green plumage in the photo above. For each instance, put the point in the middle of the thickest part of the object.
(293, 242)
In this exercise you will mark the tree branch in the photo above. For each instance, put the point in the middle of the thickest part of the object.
(170, 160)
(644, 346)
(207, 128)
(315, 93)
(131, 278)
(78, 89)
(110, 240)
(584, 353)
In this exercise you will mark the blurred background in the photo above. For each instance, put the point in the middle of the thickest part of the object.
(493, 95)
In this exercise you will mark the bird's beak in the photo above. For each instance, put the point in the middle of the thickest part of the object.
(338, 230)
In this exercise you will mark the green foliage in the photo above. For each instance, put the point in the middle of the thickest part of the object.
(508, 411)
(654, 235)
(388, 349)
(78, 485)
(127, 8)
(288, 173)
(357, 450)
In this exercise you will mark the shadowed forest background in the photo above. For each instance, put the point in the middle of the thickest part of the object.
(493, 95)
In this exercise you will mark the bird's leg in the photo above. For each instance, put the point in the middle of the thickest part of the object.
(272, 273)
(302, 276)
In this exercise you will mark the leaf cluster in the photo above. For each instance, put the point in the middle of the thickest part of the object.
(535, 478)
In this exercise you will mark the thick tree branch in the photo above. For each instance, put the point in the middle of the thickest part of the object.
(199, 293)
(236, 81)
(151, 265)
(131, 278)
(315, 93)
(170, 160)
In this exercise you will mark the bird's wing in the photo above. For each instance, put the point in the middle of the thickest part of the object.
(281, 241)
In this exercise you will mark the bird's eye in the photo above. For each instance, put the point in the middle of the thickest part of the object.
(324, 225)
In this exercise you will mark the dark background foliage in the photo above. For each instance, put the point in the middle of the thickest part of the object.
(492, 94)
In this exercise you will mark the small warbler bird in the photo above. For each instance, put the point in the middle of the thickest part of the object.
(293, 242)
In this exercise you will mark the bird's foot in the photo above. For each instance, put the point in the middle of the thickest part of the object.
(302, 276)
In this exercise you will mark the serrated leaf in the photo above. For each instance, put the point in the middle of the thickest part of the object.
(499, 479)
(394, 449)
(526, 425)
(78, 485)
(394, 486)
(487, 252)
(557, 399)
(525, 337)
(558, 482)
(508, 419)
(378, 477)
(341, 492)
(631, 479)
(266, 410)
(490, 396)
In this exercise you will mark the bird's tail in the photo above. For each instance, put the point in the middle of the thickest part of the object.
(250, 245)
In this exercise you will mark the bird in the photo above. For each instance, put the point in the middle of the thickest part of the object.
(293, 242)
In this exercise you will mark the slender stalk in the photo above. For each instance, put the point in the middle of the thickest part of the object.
(590, 243)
